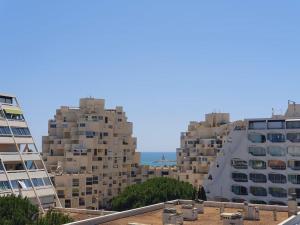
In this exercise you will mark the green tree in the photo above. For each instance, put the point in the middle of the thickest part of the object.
(20, 211)
(152, 191)
(16, 210)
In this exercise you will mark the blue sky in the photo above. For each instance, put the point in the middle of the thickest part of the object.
(165, 62)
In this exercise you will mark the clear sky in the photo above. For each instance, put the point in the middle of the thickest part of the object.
(165, 62)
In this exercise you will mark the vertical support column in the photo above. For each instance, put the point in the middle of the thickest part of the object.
(46, 171)
(22, 160)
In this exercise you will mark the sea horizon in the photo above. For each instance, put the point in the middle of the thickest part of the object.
(151, 158)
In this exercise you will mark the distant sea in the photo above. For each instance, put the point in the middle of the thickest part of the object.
(148, 158)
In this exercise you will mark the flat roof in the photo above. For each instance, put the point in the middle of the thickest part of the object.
(7, 95)
(211, 216)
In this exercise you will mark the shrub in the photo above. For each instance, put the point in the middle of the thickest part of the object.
(152, 191)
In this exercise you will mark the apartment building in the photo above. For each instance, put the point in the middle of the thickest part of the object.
(22, 171)
(260, 162)
(91, 153)
(200, 145)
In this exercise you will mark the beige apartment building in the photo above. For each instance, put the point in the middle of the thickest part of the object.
(200, 145)
(91, 153)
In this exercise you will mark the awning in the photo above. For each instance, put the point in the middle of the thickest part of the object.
(16, 111)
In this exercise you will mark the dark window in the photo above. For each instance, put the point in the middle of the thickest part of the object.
(37, 182)
(258, 191)
(257, 151)
(294, 178)
(239, 190)
(4, 185)
(239, 177)
(258, 178)
(5, 131)
(67, 203)
(89, 181)
(20, 131)
(278, 192)
(276, 137)
(95, 179)
(276, 124)
(293, 137)
(277, 178)
(293, 124)
(257, 125)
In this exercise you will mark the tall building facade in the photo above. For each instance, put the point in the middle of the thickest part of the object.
(22, 171)
(260, 162)
(200, 145)
(91, 153)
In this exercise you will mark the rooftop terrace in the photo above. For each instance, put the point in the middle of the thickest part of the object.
(153, 215)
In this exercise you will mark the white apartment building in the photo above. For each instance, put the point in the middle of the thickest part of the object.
(91, 153)
(260, 162)
(200, 145)
(22, 171)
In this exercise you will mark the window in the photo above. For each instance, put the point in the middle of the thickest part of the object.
(20, 131)
(256, 138)
(90, 134)
(47, 181)
(258, 178)
(294, 164)
(278, 192)
(257, 125)
(276, 138)
(239, 177)
(89, 181)
(257, 164)
(81, 202)
(61, 193)
(239, 190)
(294, 150)
(30, 165)
(277, 164)
(95, 179)
(75, 192)
(75, 182)
(277, 178)
(295, 190)
(4, 185)
(293, 137)
(294, 178)
(82, 125)
(239, 164)
(68, 203)
(276, 151)
(276, 124)
(293, 124)
(89, 190)
(52, 125)
(13, 165)
(257, 151)
(27, 183)
(5, 131)
(258, 191)
(12, 116)
(7, 100)
(37, 182)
